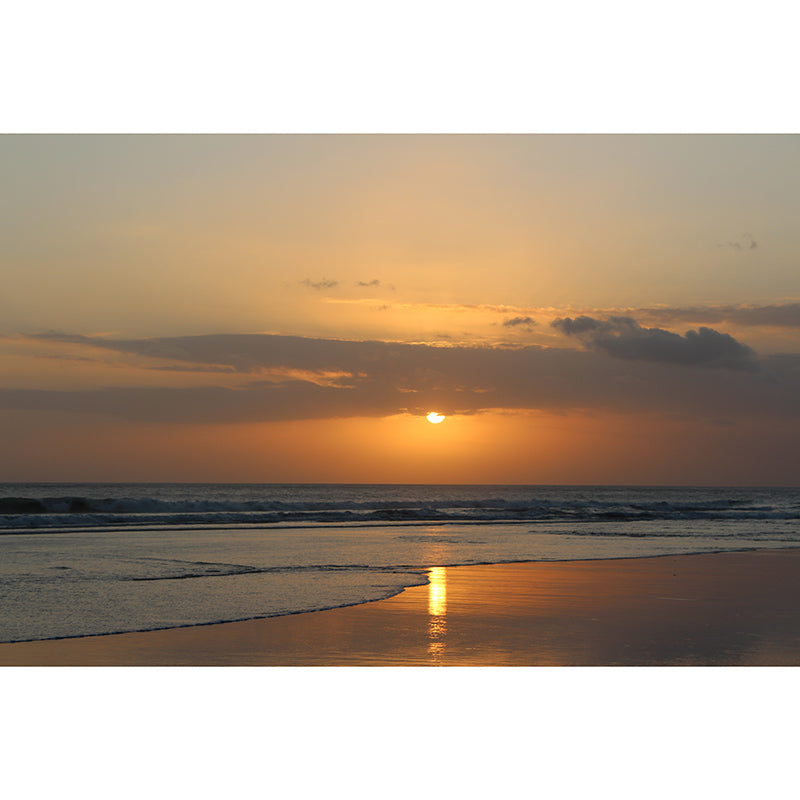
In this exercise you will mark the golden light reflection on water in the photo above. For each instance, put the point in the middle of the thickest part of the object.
(437, 612)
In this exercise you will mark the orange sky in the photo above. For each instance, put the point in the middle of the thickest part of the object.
(584, 309)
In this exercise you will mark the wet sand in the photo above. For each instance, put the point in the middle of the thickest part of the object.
(713, 609)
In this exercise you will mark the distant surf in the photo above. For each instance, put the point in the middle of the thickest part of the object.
(44, 506)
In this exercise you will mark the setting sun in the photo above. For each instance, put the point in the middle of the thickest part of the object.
(435, 418)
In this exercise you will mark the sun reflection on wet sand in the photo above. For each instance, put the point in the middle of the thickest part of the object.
(437, 613)
(712, 609)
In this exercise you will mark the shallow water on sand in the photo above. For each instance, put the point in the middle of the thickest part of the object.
(720, 609)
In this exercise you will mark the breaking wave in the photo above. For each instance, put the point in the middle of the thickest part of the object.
(216, 505)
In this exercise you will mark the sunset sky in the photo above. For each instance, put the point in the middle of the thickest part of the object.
(587, 309)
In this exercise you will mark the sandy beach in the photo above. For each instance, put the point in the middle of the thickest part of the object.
(712, 609)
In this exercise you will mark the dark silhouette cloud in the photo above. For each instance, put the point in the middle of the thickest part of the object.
(374, 283)
(744, 243)
(380, 378)
(514, 322)
(323, 284)
(623, 337)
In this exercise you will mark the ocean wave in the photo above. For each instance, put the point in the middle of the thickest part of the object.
(84, 511)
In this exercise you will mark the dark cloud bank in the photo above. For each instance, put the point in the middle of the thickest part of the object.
(785, 315)
(626, 368)
(623, 337)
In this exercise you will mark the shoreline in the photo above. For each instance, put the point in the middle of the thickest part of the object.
(421, 570)
(709, 609)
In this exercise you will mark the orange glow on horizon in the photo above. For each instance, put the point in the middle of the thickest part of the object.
(497, 447)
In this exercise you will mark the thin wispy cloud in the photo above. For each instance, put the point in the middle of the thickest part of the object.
(744, 243)
(318, 285)
(452, 307)
(785, 315)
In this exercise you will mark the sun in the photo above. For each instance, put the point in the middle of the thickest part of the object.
(435, 418)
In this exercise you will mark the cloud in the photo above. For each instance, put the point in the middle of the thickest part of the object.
(744, 243)
(623, 337)
(514, 322)
(375, 283)
(437, 307)
(383, 378)
(323, 284)
(786, 315)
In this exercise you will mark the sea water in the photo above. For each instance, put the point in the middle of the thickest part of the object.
(83, 559)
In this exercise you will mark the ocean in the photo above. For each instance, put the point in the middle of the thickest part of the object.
(83, 559)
